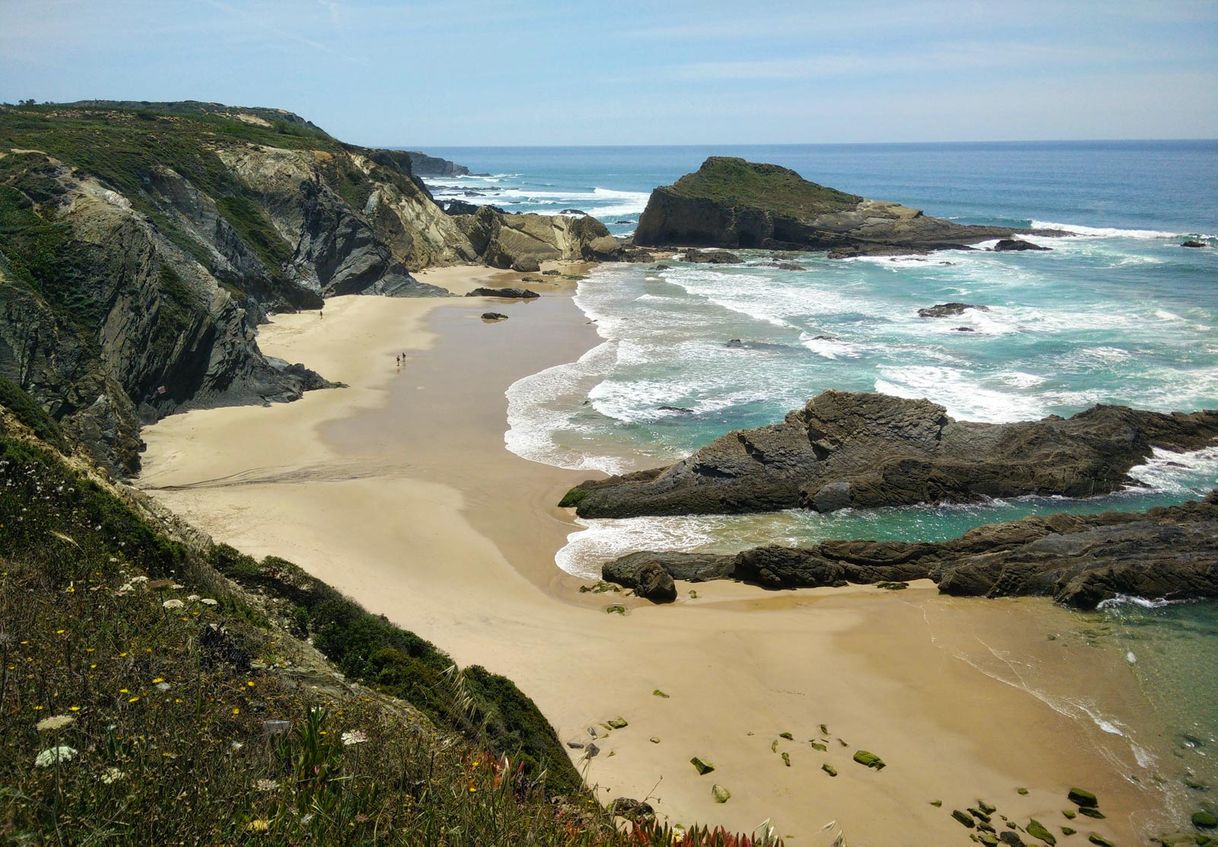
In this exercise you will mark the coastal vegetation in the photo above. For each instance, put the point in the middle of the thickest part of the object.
(155, 688)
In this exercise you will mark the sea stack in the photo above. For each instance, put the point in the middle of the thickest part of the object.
(730, 202)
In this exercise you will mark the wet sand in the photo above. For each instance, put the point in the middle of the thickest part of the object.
(398, 491)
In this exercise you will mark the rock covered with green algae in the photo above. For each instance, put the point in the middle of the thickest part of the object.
(868, 759)
(1038, 830)
(729, 202)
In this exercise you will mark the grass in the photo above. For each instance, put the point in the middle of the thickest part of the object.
(146, 700)
(778, 189)
(124, 147)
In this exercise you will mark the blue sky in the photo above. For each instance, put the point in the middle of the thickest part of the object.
(494, 72)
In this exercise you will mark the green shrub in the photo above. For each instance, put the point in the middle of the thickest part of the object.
(14, 398)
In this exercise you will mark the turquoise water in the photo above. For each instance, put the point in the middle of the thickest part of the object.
(1119, 313)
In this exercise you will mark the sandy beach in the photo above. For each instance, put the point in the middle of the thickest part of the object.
(398, 491)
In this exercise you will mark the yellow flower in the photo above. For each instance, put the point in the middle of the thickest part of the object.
(259, 825)
(123, 691)
(472, 788)
(73, 708)
(249, 683)
(124, 653)
(60, 631)
(236, 711)
(157, 681)
(38, 708)
(133, 699)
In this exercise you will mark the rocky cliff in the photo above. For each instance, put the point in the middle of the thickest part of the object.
(142, 243)
(729, 202)
(860, 450)
(425, 165)
(1079, 560)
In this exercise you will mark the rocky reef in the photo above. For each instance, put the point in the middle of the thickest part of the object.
(730, 202)
(142, 243)
(860, 450)
(1078, 560)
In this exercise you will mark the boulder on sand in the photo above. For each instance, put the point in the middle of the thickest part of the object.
(512, 293)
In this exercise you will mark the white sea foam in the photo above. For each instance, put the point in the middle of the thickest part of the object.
(541, 405)
(1104, 231)
(964, 397)
(830, 348)
(1191, 473)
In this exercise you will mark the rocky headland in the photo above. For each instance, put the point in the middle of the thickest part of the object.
(859, 450)
(1078, 560)
(421, 164)
(732, 203)
(144, 242)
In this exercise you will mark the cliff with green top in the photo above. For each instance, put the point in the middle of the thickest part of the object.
(142, 243)
(729, 202)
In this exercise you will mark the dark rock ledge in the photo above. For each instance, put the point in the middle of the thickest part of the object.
(1078, 560)
(862, 450)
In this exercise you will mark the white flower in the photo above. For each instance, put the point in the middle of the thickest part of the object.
(111, 775)
(207, 601)
(55, 722)
(236, 745)
(194, 598)
(354, 736)
(266, 785)
(173, 604)
(52, 755)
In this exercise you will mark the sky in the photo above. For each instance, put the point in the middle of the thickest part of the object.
(448, 73)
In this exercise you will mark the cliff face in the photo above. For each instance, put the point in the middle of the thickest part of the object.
(424, 165)
(141, 244)
(106, 321)
(521, 242)
(729, 202)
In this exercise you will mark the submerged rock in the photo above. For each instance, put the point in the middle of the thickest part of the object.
(1007, 245)
(1193, 243)
(711, 257)
(949, 310)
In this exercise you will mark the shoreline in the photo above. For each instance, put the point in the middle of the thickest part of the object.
(416, 510)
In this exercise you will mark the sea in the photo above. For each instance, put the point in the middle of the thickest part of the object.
(1119, 312)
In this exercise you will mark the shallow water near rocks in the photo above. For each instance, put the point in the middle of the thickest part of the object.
(1119, 313)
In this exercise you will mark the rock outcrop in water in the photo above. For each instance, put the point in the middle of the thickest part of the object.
(422, 164)
(859, 450)
(732, 203)
(1079, 560)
